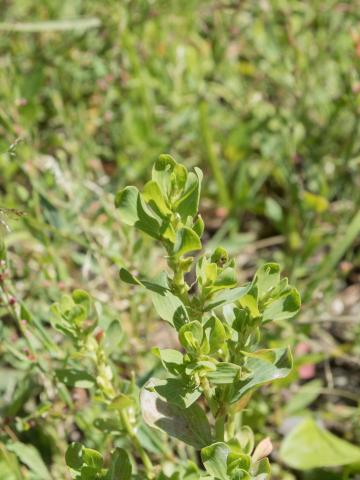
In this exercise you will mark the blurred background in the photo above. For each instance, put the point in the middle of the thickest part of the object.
(264, 97)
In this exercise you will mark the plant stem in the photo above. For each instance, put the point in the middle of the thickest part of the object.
(220, 428)
(178, 281)
(110, 392)
(137, 445)
(230, 425)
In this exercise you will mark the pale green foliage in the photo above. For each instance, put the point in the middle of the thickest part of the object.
(310, 446)
(218, 324)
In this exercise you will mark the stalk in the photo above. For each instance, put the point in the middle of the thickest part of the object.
(110, 392)
(149, 469)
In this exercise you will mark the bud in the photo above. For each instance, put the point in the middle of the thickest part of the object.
(262, 450)
(99, 335)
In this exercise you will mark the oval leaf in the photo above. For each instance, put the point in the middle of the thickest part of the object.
(190, 425)
(309, 446)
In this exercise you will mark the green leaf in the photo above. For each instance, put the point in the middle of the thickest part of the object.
(310, 446)
(171, 359)
(224, 373)
(89, 473)
(162, 171)
(74, 456)
(170, 308)
(177, 391)
(120, 466)
(133, 211)
(76, 315)
(305, 395)
(156, 285)
(167, 305)
(214, 458)
(190, 425)
(267, 277)
(191, 335)
(29, 456)
(9, 465)
(226, 279)
(215, 333)
(93, 458)
(265, 366)
(114, 337)
(186, 241)
(188, 204)
(154, 197)
(226, 297)
(81, 297)
(284, 307)
(263, 470)
(199, 226)
(121, 402)
(72, 377)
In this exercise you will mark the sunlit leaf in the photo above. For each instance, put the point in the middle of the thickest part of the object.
(309, 446)
(189, 425)
(214, 458)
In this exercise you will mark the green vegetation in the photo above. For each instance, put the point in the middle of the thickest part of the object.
(263, 97)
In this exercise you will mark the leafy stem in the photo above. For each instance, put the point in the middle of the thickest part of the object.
(149, 469)
(218, 325)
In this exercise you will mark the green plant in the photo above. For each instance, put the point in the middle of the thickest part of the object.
(211, 377)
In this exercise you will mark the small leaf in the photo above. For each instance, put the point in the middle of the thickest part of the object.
(267, 277)
(214, 458)
(265, 367)
(74, 456)
(161, 172)
(226, 279)
(171, 359)
(309, 446)
(177, 391)
(284, 307)
(190, 425)
(89, 473)
(81, 297)
(121, 401)
(199, 226)
(114, 337)
(215, 333)
(9, 465)
(93, 458)
(134, 211)
(170, 308)
(120, 466)
(315, 202)
(72, 377)
(305, 395)
(191, 335)
(227, 296)
(154, 197)
(188, 204)
(263, 470)
(156, 285)
(186, 241)
(224, 373)
(29, 456)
